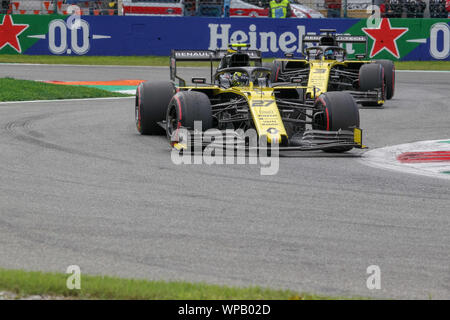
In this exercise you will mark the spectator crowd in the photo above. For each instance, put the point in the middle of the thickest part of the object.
(277, 8)
(414, 8)
(96, 7)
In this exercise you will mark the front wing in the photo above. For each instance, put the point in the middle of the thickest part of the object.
(360, 97)
(310, 140)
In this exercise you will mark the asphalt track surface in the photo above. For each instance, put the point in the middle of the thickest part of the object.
(78, 185)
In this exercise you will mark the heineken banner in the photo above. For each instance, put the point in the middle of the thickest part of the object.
(395, 39)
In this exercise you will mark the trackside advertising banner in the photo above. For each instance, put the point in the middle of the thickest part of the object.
(395, 39)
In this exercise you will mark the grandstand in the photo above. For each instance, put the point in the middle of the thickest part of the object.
(60, 6)
(354, 8)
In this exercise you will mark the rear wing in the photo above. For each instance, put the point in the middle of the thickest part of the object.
(342, 38)
(255, 55)
(208, 55)
(204, 55)
(339, 38)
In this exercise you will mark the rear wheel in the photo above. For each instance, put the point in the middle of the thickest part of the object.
(371, 77)
(151, 104)
(389, 75)
(185, 108)
(275, 70)
(339, 111)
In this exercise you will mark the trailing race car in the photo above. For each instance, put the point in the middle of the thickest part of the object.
(239, 97)
(325, 68)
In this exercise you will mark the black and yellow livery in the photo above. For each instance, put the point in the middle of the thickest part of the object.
(325, 68)
(241, 96)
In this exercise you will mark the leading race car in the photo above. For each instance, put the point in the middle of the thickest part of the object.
(240, 96)
(325, 68)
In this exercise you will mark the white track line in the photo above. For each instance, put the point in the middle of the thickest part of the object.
(89, 65)
(133, 92)
(75, 65)
(423, 71)
(65, 100)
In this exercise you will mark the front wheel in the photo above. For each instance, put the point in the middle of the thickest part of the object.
(371, 77)
(185, 108)
(338, 111)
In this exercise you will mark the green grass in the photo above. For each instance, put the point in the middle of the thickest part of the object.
(26, 283)
(164, 61)
(26, 90)
(423, 65)
(93, 60)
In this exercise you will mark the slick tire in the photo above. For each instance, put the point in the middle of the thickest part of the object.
(275, 70)
(184, 109)
(371, 77)
(389, 75)
(152, 100)
(340, 111)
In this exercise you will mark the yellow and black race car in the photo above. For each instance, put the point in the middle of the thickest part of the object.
(325, 68)
(239, 97)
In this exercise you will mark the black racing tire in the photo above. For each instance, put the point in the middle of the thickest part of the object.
(389, 75)
(185, 108)
(340, 112)
(371, 77)
(152, 100)
(275, 70)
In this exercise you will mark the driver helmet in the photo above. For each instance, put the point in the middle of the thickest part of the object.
(239, 79)
(329, 54)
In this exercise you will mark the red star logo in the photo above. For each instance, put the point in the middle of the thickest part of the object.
(9, 33)
(385, 38)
